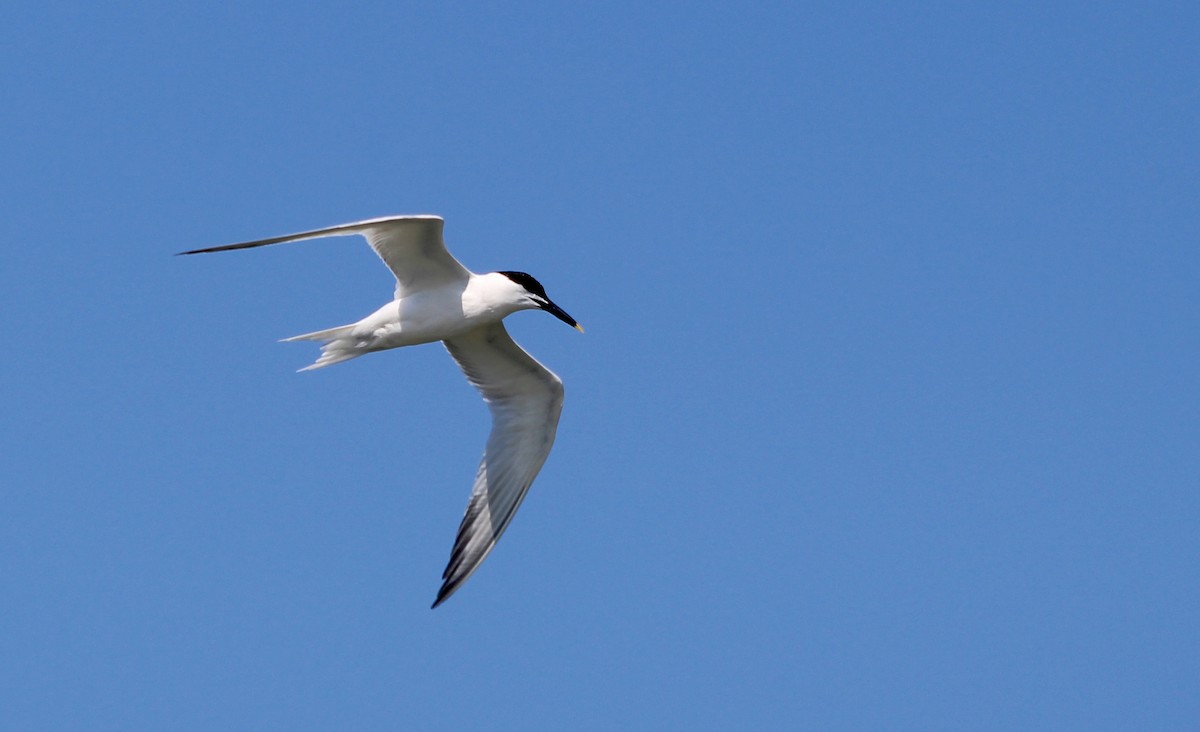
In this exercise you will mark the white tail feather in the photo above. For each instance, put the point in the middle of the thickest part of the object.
(337, 345)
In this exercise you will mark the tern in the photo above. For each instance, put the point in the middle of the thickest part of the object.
(438, 299)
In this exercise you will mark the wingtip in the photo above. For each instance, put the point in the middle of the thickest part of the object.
(205, 250)
(442, 596)
(448, 588)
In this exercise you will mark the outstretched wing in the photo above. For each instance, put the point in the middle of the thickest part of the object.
(525, 399)
(411, 246)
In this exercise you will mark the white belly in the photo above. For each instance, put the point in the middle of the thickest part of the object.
(422, 317)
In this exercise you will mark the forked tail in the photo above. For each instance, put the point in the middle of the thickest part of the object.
(337, 345)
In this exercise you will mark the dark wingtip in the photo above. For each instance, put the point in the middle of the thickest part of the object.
(442, 596)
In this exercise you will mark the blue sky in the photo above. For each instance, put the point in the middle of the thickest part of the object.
(886, 416)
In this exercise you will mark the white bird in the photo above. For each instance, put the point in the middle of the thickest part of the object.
(437, 299)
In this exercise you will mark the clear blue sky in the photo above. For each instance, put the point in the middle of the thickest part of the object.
(887, 414)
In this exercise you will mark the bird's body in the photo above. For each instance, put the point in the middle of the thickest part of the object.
(424, 316)
(437, 299)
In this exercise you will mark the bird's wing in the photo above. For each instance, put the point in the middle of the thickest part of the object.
(525, 399)
(411, 246)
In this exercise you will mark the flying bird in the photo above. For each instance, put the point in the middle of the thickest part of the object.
(438, 299)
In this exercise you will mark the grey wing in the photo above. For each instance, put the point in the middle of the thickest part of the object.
(411, 247)
(525, 399)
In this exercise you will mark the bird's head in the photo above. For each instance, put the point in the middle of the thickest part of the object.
(536, 297)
